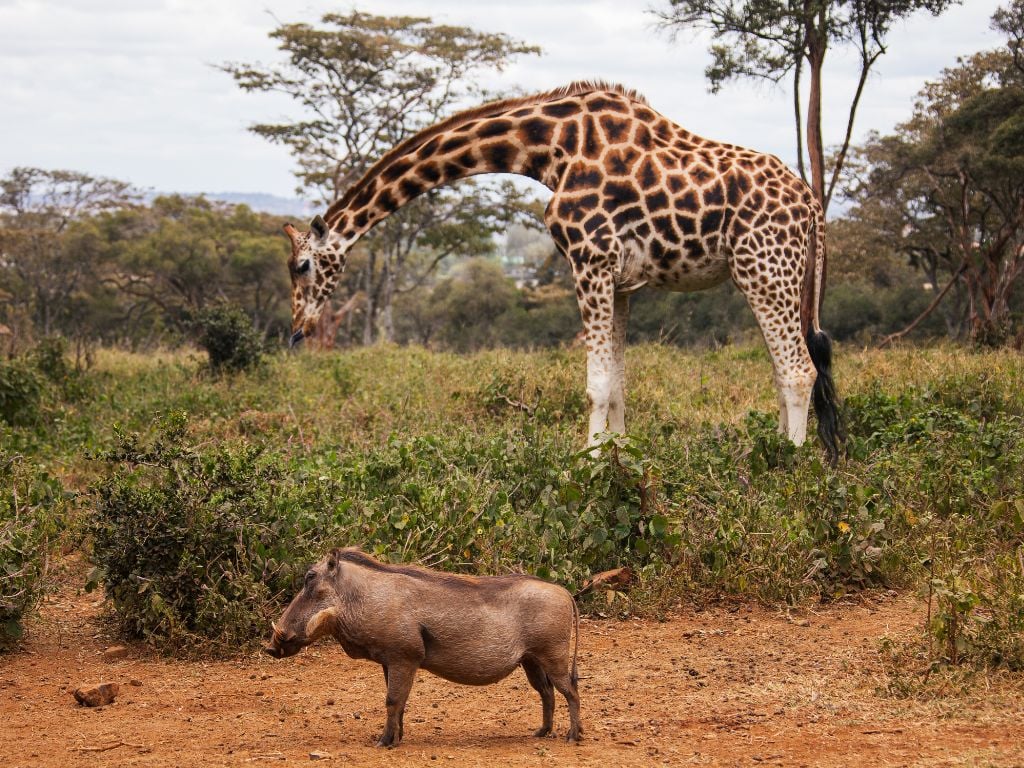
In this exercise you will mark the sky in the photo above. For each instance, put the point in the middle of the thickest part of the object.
(129, 88)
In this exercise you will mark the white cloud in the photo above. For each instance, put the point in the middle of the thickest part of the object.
(126, 88)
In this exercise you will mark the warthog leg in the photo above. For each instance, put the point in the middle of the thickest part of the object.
(400, 678)
(563, 681)
(539, 680)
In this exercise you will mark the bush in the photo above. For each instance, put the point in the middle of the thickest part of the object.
(21, 392)
(230, 341)
(50, 358)
(31, 517)
(36, 379)
(198, 545)
(497, 505)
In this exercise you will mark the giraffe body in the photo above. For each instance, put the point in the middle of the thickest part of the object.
(637, 201)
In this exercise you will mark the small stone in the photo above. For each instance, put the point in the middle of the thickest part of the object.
(115, 652)
(96, 695)
(356, 716)
(136, 682)
(329, 702)
(321, 756)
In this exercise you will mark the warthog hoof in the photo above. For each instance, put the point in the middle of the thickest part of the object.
(543, 731)
(574, 734)
(387, 741)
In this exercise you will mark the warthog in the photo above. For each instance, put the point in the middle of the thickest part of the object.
(470, 630)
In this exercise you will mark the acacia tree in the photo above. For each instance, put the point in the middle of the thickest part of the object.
(775, 39)
(363, 83)
(950, 181)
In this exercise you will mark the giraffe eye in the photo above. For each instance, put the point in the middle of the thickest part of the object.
(303, 267)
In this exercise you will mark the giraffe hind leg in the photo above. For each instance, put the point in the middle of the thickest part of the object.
(776, 306)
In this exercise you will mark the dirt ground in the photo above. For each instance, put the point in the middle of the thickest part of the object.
(739, 686)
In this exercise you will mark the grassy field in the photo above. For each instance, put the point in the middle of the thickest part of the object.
(201, 499)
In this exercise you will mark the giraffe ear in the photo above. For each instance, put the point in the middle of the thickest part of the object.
(319, 226)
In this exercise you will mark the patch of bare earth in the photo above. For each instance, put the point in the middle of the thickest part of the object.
(741, 687)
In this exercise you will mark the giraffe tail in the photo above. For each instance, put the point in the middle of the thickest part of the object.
(831, 429)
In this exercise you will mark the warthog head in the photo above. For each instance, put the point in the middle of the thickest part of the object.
(311, 613)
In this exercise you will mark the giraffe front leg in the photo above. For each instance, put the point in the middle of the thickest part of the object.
(783, 410)
(599, 388)
(617, 404)
(596, 296)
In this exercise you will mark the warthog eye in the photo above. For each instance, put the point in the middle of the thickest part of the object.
(310, 575)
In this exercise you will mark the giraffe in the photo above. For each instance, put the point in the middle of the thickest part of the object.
(637, 201)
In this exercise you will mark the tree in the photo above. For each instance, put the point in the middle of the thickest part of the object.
(182, 255)
(1010, 21)
(50, 256)
(773, 39)
(950, 182)
(363, 83)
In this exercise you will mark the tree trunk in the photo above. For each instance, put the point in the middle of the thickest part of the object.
(370, 317)
(815, 145)
(387, 324)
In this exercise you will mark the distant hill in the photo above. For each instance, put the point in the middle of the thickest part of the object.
(258, 201)
(261, 201)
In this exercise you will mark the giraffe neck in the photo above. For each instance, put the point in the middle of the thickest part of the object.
(521, 141)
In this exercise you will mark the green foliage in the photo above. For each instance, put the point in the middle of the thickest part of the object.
(230, 341)
(50, 358)
(472, 464)
(31, 517)
(195, 544)
(21, 391)
(38, 379)
(955, 166)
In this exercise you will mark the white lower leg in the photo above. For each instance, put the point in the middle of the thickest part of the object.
(599, 392)
(797, 396)
(783, 410)
(617, 404)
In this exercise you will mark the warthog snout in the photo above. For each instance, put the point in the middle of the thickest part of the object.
(283, 644)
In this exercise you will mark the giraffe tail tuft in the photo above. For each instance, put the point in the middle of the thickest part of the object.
(831, 429)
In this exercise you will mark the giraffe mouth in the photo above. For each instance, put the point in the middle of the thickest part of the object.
(296, 339)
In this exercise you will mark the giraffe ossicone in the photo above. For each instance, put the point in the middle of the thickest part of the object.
(637, 200)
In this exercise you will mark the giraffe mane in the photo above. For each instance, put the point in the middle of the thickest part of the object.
(489, 109)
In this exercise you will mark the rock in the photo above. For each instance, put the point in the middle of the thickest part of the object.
(136, 682)
(96, 695)
(115, 652)
(320, 756)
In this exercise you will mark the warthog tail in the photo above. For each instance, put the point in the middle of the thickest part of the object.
(573, 675)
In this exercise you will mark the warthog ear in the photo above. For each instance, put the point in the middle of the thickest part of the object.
(332, 561)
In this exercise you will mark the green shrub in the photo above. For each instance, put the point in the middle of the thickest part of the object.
(197, 544)
(38, 381)
(50, 358)
(21, 392)
(230, 341)
(31, 517)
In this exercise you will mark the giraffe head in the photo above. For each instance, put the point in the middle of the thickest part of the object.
(317, 261)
